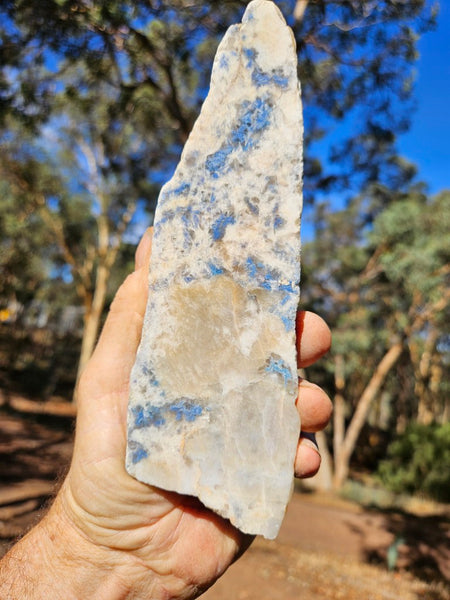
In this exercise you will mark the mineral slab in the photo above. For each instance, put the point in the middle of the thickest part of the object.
(212, 394)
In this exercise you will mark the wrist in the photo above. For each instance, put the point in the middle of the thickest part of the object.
(83, 569)
(54, 561)
(95, 570)
(134, 561)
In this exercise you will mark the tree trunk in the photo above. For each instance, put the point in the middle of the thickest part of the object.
(360, 415)
(339, 407)
(325, 475)
(93, 317)
(299, 10)
(425, 409)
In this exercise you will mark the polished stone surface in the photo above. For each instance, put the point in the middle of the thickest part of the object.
(212, 393)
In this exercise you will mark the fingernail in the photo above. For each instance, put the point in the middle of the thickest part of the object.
(309, 440)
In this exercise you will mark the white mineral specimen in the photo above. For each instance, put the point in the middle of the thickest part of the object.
(212, 400)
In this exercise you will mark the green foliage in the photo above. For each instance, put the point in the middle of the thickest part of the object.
(416, 246)
(418, 462)
(355, 63)
(381, 281)
(27, 249)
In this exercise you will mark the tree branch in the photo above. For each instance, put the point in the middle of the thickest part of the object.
(299, 10)
(313, 41)
(362, 409)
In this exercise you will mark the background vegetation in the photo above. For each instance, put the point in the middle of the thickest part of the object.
(96, 101)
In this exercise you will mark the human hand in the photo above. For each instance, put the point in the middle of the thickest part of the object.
(125, 538)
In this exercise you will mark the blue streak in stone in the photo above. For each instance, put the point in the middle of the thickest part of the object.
(215, 270)
(280, 367)
(181, 189)
(147, 416)
(278, 222)
(224, 62)
(253, 208)
(288, 323)
(254, 120)
(288, 287)
(215, 163)
(259, 78)
(285, 299)
(139, 454)
(186, 410)
(220, 225)
(139, 418)
(250, 54)
(280, 80)
(251, 267)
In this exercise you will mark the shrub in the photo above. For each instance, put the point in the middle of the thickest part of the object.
(418, 461)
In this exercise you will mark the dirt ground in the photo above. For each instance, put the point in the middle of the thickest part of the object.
(328, 548)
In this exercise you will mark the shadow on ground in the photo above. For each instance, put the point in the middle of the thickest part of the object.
(328, 548)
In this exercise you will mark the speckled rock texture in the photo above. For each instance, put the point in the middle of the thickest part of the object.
(212, 394)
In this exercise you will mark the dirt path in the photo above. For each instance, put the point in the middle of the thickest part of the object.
(322, 554)
(328, 549)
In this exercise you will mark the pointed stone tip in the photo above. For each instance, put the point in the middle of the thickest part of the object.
(259, 7)
(265, 33)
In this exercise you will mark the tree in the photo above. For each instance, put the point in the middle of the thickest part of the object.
(116, 87)
(415, 259)
(385, 294)
(355, 64)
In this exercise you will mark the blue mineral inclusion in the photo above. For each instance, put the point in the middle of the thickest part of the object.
(253, 208)
(138, 413)
(280, 367)
(261, 78)
(156, 416)
(288, 323)
(288, 287)
(139, 454)
(184, 409)
(215, 163)
(285, 300)
(255, 118)
(220, 225)
(278, 222)
(250, 54)
(224, 64)
(280, 80)
(214, 269)
(148, 416)
(181, 189)
(252, 269)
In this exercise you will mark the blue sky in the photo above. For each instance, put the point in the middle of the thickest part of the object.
(427, 144)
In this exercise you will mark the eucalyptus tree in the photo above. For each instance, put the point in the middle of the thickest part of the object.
(109, 92)
(384, 289)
